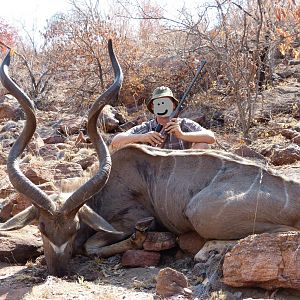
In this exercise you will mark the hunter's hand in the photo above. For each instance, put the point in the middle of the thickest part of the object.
(173, 127)
(153, 138)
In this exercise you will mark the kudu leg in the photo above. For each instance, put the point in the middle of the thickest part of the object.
(135, 241)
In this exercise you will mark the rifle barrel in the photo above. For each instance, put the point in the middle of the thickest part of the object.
(179, 106)
(192, 83)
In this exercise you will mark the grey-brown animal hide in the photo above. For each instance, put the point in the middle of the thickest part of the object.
(217, 194)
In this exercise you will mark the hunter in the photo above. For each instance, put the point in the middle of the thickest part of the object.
(177, 133)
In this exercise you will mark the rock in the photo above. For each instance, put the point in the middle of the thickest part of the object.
(158, 241)
(45, 130)
(285, 73)
(296, 140)
(67, 170)
(49, 150)
(7, 143)
(10, 132)
(10, 109)
(54, 139)
(296, 108)
(6, 206)
(6, 187)
(201, 120)
(140, 258)
(35, 143)
(20, 202)
(285, 156)
(219, 247)
(48, 187)
(16, 202)
(269, 261)
(20, 245)
(80, 139)
(218, 119)
(190, 242)
(127, 125)
(170, 282)
(10, 126)
(107, 119)
(288, 89)
(86, 162)
(246, 151)
(63, 146)
(72, 126)
(297, 127)
(289, 133)
(3, 158)
(141, 119)
(55, 170)
(294, 62)
(36, 175)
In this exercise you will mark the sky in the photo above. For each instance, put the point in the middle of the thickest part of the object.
(35, 12)
(31, 12)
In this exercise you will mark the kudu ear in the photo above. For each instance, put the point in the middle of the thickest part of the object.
(95, 221)
(20, 220)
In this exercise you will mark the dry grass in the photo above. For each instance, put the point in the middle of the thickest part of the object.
(54, 288)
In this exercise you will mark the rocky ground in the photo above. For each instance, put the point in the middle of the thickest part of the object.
(60, 149)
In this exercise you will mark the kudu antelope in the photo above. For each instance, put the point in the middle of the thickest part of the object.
(216, 194)
(59, 222)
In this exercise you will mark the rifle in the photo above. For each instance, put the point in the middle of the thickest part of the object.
(180, 107)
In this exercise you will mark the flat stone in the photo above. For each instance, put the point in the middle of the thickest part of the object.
(72, 126)
(171, 282)
(10, 109)
(296, 140)
(140, 258)
(54, 139)
(285, 156)
(86, 162)
(190, 242)
(269, 261)
(107, 119)
(48, 150)
(36, 175)
(246, 151)
(289, 133)
(20, 245)
(158, 241)
(67, 170)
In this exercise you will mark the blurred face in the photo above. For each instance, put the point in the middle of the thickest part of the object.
(163, 107)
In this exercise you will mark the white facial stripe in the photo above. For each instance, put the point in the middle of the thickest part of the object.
(163, 107)
(59, 249)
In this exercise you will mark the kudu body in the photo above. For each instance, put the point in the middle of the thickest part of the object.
(216, 194)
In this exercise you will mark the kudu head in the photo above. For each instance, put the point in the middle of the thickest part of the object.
(59, 222)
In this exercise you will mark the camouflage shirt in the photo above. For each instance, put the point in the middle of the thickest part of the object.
(172, 142)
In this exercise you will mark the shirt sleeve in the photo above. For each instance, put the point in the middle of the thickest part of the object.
(188, 125)
(140, 129)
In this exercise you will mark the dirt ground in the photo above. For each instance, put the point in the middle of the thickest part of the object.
(91, 279)
(106, 279)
